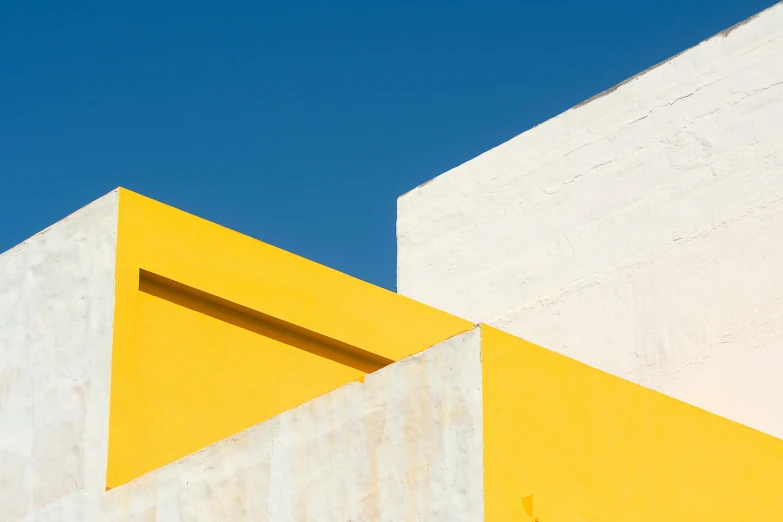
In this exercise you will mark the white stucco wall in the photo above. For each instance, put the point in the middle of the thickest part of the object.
(641, 232)
(406, 444)
(56, 306)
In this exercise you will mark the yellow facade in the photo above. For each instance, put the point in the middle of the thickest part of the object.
(215, 331)
(564, 442)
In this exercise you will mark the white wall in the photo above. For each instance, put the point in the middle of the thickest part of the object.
(56, 310)
(406, 444)
(641, 232)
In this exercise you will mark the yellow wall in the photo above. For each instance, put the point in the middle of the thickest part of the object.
(215, 331)
(581, 445)
(225, 331)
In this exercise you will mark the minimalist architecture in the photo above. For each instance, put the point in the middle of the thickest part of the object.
(588, 329)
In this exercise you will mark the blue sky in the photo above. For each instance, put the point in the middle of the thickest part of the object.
(299, 123)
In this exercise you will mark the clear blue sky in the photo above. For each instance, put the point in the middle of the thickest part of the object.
(299, 123)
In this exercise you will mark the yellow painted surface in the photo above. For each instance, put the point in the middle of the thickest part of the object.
(565, 442)
(185, 376)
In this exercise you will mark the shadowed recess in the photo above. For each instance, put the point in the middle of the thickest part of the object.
(260, 323)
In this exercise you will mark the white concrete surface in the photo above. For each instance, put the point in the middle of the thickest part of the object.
(56, 311)
(404, 445)
(640, 232)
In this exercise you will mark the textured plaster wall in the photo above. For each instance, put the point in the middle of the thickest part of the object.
(56, 302)
(406, 444)
(640, 232)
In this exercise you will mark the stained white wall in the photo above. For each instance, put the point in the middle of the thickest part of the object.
(641, 232)
(406, 444)
(56, 310)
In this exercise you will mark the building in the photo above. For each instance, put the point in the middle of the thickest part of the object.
(636, 232)
(158, 367)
